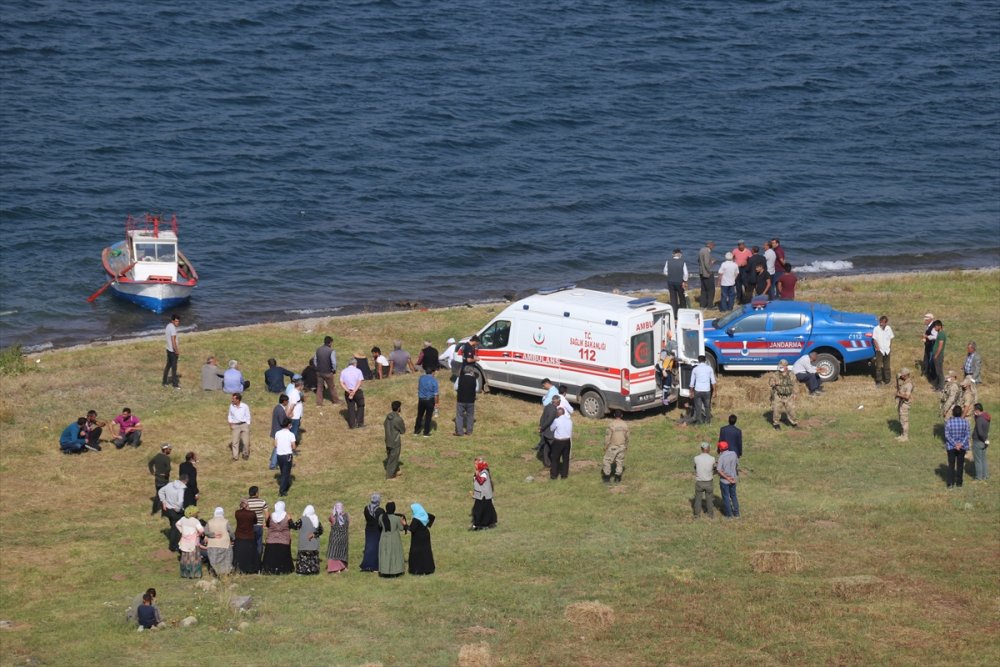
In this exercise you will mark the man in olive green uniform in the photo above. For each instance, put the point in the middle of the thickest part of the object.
(782, 385)
(615, 445)
(951, 395)
(394, 430)
(969, 399)
(159, 468)
(904, 394)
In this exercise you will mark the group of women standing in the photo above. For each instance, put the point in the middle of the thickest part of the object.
(384, 529)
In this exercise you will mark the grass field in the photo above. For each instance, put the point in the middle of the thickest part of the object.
(577, 573)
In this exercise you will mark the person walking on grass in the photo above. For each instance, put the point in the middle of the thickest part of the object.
(728, 467)
(704, 474)
(394, 427)
(904, 396)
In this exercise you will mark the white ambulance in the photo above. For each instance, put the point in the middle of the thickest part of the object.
(604, 347)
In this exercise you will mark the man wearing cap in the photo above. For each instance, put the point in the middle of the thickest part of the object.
(973, 365)
(325, 361)
(904, 395)
(159, 468)
(951, 394)
(615, 445)
(969, 399)
(676, 271)
(937, 353)
(447, 359)
(882, 336)
(351, 379)
(929, 335)
(704, 474)
(804, 369)
(728, 467)
(706, 299)
(782, 395)
(728, 274)
(741, 253)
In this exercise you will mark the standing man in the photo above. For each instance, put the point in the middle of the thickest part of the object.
(732, 436)
(770, 265)
(129, 429)
(274, 376)
(325, 361)
(980, 441)
(882, 336)
(927, 369)
(782, 395)
(956, 443)
(469, 352)
(615, 445)
(951, 395)
(351, 379)
(786, 283)
(465, 411)
(779, 264)
(973, 363)
(239, 424)
(284, 443)
(969, 399)
(295, 400)
(550, 391)
(704, 474)
(805, 372)
(706, 299)
(173, 352)
(549, 414)
(258, 506)
(429, 357)
(761, 279)
(279, 414)
(728, 467)
(676, 271)
(428, 401)
(937, 353)
(562, 442)
(395, 427)
(729, 272)
(755, 260)
(159, 468)
(172, 500)
(904, 395)
(741, 255)
(703, 385)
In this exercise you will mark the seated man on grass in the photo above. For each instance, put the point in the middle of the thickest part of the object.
(129, 429)
(72, 440)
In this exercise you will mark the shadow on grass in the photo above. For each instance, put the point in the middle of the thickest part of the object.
(894, 426)
(968, 467)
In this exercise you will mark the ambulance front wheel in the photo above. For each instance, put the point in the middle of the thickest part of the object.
(592, 405)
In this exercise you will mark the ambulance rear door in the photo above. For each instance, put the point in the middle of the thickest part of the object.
(690, 337)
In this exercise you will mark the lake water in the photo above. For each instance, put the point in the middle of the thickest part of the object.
(326, 157)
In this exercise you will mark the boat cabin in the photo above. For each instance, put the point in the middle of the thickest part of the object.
(154, 252)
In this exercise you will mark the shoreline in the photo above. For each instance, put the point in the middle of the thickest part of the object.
(310, 322)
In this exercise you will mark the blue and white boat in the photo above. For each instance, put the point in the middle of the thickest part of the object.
(148, 268)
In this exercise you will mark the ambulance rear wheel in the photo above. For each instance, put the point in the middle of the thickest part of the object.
(592, 405)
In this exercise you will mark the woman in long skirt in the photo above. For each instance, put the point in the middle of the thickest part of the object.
(336, 550)
(421, 555)
(220, 543)
(310, 529)
(190, 543)
(190, 468)
(245, 555)
(373, 531)
(278, 543)
(483, 513)
(390, 545)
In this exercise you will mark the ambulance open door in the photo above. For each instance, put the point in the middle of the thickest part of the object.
(690, 344)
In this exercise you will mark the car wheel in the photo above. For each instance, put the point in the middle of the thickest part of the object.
(592, 405)
(827, 367)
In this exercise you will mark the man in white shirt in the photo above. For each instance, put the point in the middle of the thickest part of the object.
(447, 359)
(729, 271)
(172, 499)
(564, 400)
(284, 445)
(770, 257)
(882, 338)
(805, 371)
(704, 476)
(703, 385)
(562, 436)
(351, 379)
(294, 393)
(239, 424)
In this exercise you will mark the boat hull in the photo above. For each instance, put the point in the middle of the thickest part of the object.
(157, 297)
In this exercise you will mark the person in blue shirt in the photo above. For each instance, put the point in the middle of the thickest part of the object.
(956, 442)
(427, 402)
(72, 440)
(274, 377)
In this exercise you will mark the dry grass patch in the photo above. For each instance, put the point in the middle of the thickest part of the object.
(590, 615)
(779, 562)
(857, 586)
(475, 655)
(585, 464)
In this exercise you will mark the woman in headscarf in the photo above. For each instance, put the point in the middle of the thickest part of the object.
(390, 545)
(310, 529)
(190, 468)
(245, 554)
(373, 531)
(220, 543)
(483, 513)
(421, 555)
(336, 550)
(191, 531)
(278, 543)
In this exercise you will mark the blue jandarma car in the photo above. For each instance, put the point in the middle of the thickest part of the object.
(755, 337)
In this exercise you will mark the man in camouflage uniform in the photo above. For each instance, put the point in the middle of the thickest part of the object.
(782, 385)
(951, 395)
(615, 445)
(969, 399)
(904, 393)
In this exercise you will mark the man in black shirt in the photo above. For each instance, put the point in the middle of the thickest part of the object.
(466, 407)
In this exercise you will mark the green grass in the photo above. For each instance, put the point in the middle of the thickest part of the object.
(77, 542)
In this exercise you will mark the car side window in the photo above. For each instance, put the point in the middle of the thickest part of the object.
(786, 321)
(751, 323)
(496, 336)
